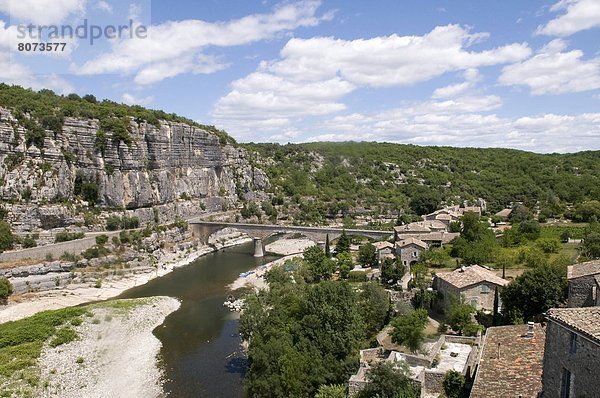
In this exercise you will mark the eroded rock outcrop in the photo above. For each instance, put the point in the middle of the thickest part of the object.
(174, 169)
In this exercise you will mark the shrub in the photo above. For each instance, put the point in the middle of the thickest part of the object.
(7, 239)
(548, 245)
(29, 241)
(63, 336)
(86, 187)
(113, 223)
(66, 236)
(130, 222)
(357, 276)
(101, 240)
(6, 289)
(12, 160)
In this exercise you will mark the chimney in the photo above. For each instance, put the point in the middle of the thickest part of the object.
(529, 334)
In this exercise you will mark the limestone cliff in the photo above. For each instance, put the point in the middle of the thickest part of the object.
(160, 167)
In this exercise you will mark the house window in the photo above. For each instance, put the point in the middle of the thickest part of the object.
(566, 384)
(485, 289)
(573, 345)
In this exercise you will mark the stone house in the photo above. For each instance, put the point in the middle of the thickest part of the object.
(510, 363)
(584, 284)
(409, 250)
(474, 284)
(426, 371)
(572, 354)
(384, 250)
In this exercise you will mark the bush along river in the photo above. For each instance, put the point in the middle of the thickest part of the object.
(201, 354)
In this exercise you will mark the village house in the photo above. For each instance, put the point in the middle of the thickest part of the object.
(409, 250)
(474, 284)
(510, 363)
(504, 214)
(584, 284)
(384, 250)
(572, 353)
(427, 370)
(433, 233)
(451, 213)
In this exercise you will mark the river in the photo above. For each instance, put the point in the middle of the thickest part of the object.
(200, 343)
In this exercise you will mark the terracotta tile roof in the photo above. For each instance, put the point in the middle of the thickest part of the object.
(583, 269)
(471, 275)
(382, 245)
(517, 371)
(584, 320)
(411, 241)
(504, 213)
(434, 225)
(412, 227)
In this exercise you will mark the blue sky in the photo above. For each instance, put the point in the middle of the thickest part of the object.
(515, 74)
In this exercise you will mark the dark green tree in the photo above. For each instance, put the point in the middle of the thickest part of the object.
(496, 316)
(6, 289)
(408, 330)
(388, 380)
(327, 248)
(535, 291)
(331, 391)
(375, 306)
(367, 255)
(343, 243)
(460, 317)
(454, 385)
(7, 239)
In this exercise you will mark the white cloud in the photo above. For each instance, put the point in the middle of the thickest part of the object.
(428, 123)
(12, 72)
(580, 15)
(313, 75)
(129, 99)
(42, 12)
(552, 71)
(471, 78)
(391, 60)
(170, 42)
(104, 6)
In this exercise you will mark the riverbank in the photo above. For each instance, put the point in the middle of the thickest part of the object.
(115, 354)
(256, 278)
(28, 304)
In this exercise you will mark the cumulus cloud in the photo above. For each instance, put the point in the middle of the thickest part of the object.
(472, 77)
(554, 71)
(130, 99)
(578, 15)
(161, 53)
(463, 124)
(313, 75)
(42, 12)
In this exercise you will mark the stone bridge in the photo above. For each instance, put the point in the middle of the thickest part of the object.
(259, 232)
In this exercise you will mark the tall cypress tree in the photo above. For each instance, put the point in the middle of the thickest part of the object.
(327, 249)
(496, 317)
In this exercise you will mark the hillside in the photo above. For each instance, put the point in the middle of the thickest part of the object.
(387, 178)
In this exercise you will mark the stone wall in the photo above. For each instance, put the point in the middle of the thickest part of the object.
(54, 250)
(583, 363)
(434, 380)
(580, 291)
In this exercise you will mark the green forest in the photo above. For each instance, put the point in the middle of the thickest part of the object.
(325, 178)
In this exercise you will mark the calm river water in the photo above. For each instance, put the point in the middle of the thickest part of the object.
(201, 346)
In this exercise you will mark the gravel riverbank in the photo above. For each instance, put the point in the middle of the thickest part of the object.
(115, 355)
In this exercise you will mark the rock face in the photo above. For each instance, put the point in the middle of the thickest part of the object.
(160, 167)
